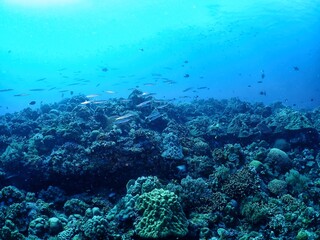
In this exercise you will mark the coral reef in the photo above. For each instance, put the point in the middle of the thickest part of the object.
(140, 168)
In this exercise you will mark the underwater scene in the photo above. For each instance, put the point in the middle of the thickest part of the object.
(159, 119)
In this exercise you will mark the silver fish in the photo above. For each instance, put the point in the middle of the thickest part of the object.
(144, 104)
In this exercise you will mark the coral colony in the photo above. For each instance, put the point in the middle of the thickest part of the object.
(142, 168)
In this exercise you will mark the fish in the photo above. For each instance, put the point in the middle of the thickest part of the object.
(153, 116)
(144, 94)
(62, 91)
(163, 106)
(37, 89)
(263, 93)
(156, 74)
(186, 75)
(11, 176)
(104, 69)
(21, 95)
(110, 92)
(99, 102)
(182, 168)
(73, 84)
(296, 68)
(32, 103)
(187, 89)
(128, 115)
(262, 74)
(6, 90)
(149, 84)
(85, 102)
(92, 95)
(144, 104)
(112, 194)
(200, 88)
(121, 121)
(41, 79)
(259, 82)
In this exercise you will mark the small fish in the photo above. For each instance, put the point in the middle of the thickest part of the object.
(37, 89)
(169, 81)
(71, 92)
(85, 102)
(153, 116)
(141, 49)
(186, 61)
(63, 91)
(296, 68)
(112, 194)
(163, 106)
(186, 75)
(99, 102)
(32, 103)
(73, 84)
(11, 176)
(92, 95)
(263, 93)
(121, 121)
(104, 69)
(187, 89)
(98, 85)
(262, 74)
(21, 95)
(6, 90)
(41, 79)
(259, 82)
(144, 104)
(200, 88)
(149, 84)
(144, 94)
(156, 74)
(128, 115)
(182, 168)
(110, 92)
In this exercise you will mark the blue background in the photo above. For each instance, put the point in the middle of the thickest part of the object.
(223, 45)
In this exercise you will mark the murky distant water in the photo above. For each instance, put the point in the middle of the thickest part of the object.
(258, 51)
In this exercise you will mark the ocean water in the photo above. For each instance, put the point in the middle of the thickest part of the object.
(258, 51)
(124, 119)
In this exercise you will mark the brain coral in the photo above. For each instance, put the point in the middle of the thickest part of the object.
(162, 215)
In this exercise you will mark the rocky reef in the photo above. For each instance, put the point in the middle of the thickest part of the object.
(144, 168)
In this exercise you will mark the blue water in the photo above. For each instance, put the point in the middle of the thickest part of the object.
(70, 47)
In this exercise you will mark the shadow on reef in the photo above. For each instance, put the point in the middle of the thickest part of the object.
(144, 168)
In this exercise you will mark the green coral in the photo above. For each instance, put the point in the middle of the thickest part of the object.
(10, 231)
(277, 187)
(96, 228)
(162, 215)
(75, 206)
